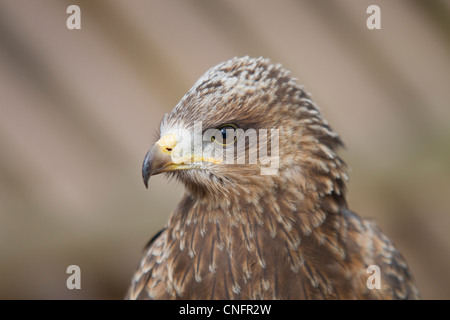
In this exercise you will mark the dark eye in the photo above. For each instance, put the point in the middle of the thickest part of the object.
(226, 134)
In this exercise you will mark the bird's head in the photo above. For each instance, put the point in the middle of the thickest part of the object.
(246, 128)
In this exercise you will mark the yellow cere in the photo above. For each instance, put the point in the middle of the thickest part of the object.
(169, 141)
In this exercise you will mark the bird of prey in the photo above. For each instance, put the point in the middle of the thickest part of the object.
(242, 233)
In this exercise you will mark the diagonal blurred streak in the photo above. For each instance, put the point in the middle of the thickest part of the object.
(232, 25)
(146, 59)
(378, 65)
(15, 182)
(438, 15)
(64, 101)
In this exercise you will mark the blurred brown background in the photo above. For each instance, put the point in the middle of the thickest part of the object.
(79, 110)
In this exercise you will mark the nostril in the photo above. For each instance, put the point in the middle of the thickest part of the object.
(168, 149)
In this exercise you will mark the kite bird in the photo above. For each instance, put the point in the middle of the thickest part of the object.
(240, 233)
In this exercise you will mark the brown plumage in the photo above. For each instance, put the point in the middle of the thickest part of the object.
(240, 234)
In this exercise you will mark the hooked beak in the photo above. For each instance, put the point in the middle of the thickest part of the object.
(159, 158)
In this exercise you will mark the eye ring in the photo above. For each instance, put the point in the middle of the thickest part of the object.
(224, 130)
